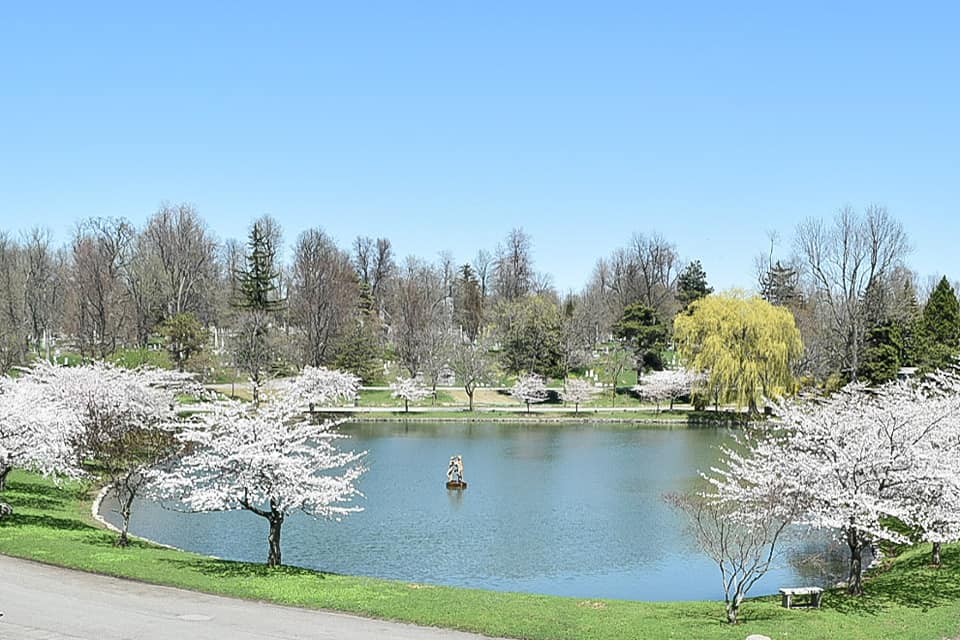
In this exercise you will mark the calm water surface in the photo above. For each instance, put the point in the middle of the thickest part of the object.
(572, 510)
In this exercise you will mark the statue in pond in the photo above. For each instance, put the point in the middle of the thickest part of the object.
(455, 473)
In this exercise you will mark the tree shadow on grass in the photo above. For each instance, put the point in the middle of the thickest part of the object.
(44, 522)
(31, 501)
(911, 583)
(60, 494)
(232, 569)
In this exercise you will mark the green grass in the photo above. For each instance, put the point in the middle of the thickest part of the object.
(382, 398)
(908, 601)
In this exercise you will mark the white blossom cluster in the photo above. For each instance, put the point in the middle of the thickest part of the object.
(856, 462)
(409, 390)
(271, 458)
(529, 388)
(667, 385)
(46, 412)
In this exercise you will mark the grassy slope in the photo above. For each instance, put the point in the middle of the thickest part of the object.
(910, 601)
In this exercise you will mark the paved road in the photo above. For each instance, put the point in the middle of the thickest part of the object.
(47, 603)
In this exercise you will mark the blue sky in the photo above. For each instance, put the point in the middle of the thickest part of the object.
(442, 125)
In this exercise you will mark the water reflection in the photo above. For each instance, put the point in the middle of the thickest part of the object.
(570, 510)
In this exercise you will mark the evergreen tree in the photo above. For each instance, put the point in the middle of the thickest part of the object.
(640, 327)
(469, 303)
(692, 284)
(780, 285)
(884, 353)
(259, 280)
(359, 353)
(941, 327)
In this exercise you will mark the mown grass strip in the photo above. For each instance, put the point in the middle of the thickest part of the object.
(908, 601)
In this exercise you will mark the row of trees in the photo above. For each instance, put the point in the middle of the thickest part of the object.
(845, 283)
(127, 427)
(870, 464)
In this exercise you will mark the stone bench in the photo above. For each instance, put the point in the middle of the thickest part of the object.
(814, 593)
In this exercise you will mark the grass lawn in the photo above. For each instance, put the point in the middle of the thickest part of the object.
(908, 600)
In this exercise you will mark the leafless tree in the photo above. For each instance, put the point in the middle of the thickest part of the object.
(483, 266)
(473, 365)
(254, 350)
(373, 260)
(846, 265)
(100, 249)
(645, 271)
(44, 287)
(13, 324)
(417, 314)
(323, 294)
(514, 266)
(186, 254)
(744, 549)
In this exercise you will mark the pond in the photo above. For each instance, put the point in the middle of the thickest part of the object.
(571, 509)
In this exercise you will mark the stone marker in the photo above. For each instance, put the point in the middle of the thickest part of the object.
(757, 636)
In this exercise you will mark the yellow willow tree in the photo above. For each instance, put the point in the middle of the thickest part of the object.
(743, 343)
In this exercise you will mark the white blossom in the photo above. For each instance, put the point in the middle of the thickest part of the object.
(318, 386)
(577, 391)
(271, 461)
(410, 390)
(529, 388)
(669, 384)
(854, 462)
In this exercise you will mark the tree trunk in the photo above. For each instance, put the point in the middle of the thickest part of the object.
(732, 612)
(126, 507)
(406, 406)
(528, 407)
(936, 554)
(276, 521)
(855, 579)
(4, 472)
(576, 407)
(470, 398)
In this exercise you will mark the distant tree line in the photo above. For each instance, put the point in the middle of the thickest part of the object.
(860, 311)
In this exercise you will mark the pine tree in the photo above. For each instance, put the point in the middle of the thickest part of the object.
(941, 327)
(780, 285)
(470, 303)
(259, 281)
(692, 284)
(641, 328)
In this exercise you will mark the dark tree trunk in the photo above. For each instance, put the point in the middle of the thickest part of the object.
(276, 521)
(936, 554)
(470, 399)
(4, 472)
(126, 508)
(406, 406)
(856, 544)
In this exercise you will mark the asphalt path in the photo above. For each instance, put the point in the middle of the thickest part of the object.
(40, 602)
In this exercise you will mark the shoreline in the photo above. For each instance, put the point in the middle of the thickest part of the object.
(64, 532)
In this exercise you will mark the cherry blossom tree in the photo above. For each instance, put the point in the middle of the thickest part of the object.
(473, 365)
(32, 434)
(120, 418)
(410, 389)
(270, 461)
(529, 388)
(856, 462)
(318, 387)
(669, 384)
(576, 391)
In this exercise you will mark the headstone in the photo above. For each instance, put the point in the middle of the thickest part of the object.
(757, 636)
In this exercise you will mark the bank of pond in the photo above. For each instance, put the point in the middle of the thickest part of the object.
(907, 599)
(575, 511)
